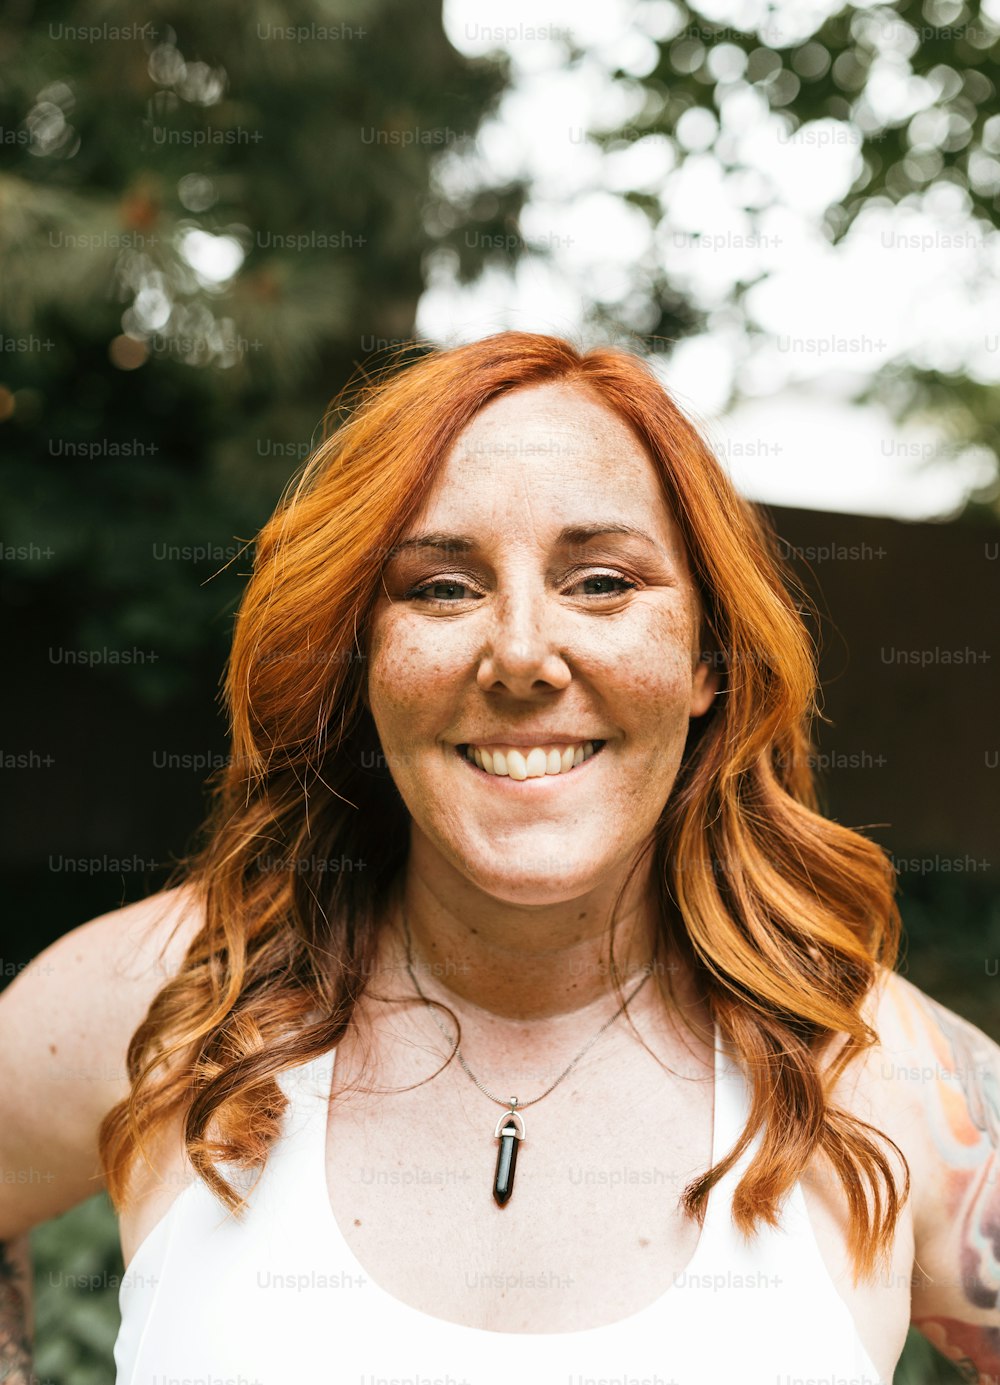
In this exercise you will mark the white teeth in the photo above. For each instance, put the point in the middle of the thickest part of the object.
(517, 766)
(536, 763)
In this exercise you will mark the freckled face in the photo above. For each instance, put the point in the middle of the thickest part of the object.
(526, 632)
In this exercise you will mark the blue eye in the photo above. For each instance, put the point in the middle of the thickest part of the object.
(423, 592)
(420, 593)
(609, 577)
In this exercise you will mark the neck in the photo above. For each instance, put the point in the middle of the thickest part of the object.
(521, 962)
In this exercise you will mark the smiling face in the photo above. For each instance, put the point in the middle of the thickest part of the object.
(523, 633)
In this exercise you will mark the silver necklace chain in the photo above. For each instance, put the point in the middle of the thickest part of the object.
(513, 1102)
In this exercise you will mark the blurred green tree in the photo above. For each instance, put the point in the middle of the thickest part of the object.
(209, 215)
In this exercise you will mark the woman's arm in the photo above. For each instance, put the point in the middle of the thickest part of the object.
(16, 1325)
(955, 1081)
(66, 1021)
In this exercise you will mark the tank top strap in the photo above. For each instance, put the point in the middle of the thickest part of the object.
(732, 1108)
(731, 1099)
(307, 1088)
(795, 1238)
(728, 1119)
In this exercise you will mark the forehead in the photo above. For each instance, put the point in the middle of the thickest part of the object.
(550, 451)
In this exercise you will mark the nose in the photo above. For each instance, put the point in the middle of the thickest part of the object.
(522, 651)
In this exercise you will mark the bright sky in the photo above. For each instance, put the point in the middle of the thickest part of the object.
(916, 282)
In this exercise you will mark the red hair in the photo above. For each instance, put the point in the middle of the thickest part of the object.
(784, 917)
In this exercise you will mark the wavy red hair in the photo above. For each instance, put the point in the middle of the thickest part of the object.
(785, 917)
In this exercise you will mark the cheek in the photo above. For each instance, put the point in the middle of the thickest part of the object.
(648, 663)
(656, 680)
(405, 673)
(652, 678)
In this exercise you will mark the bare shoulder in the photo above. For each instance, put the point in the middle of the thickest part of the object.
(94, 985)
(873, 1087)
(939, 1065)
(65, 1026)
(926, 1057)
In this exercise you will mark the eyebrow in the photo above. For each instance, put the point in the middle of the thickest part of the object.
(569, 536)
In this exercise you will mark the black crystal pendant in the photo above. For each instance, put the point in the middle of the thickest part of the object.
(509, 1130)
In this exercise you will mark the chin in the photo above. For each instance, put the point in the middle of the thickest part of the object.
(540, 879)
(530, 894)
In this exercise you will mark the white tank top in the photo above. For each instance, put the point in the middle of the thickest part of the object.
(280, 1299)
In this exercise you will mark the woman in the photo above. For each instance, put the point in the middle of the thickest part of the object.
(519, 779)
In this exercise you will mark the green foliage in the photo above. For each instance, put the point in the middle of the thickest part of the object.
(952, 944)
(152, 410)
(921, 1364)
(78, 1271)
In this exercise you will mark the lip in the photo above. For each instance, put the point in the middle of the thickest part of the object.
(523, 742)
(542, 783)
